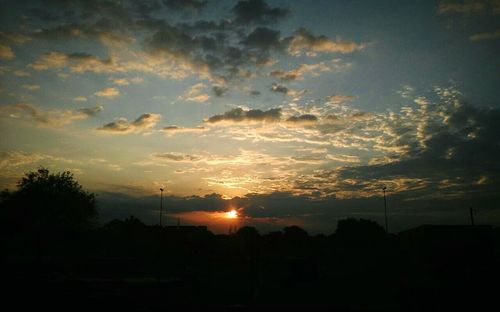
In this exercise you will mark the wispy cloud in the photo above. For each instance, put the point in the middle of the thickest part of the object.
(485, 36)
(196, 93)
(108, 93)
(46, 118)
(122, 126)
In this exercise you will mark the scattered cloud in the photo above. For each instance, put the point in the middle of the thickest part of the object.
(465, 7)
(339, 99)
(196, 93)
(189, 5)
(304, 41)
(257, 11)
(299, 72)
(126, 81)
(108, 93)
(7, 39)
(21, 73)
(485, 36)
(6, 52)
(170, 130)
(219, 90)
(122, 126)
(31, 87)
(80, 99)
(46, 118)
(239, 115)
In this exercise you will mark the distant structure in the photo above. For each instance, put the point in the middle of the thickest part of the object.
(434, 245)
(185, 229)
(161, 202)
(385, 210)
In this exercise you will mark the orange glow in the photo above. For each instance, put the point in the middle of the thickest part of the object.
(232, 214)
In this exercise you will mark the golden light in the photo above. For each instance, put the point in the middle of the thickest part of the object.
(232, 214)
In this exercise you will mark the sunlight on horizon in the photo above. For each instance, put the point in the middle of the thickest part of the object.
(232, 214)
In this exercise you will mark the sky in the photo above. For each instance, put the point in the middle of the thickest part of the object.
(289, 112)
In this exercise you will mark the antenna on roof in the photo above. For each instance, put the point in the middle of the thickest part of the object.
(471, 216)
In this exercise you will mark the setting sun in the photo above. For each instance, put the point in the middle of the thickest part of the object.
(232, 214)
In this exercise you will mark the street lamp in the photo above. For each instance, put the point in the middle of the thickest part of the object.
(385, 210)
(161, 202)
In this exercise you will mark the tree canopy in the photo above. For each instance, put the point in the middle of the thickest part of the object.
(48, 201)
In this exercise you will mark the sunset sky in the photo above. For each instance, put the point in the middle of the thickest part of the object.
(290, 112)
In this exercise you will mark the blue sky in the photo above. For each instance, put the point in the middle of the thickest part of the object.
(318, 102)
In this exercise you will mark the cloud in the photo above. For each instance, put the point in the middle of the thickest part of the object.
(170, 130)
(6, 52)
(466, 7)
(108, 93)
(195, 94)
(485, 36)
(216, 50)
(238, 115)
(13, 38)
(77, 62)
(122, 125)
(30, 87)
(306, 119)
(339, 99)
(299, 72)
(189, 5)
(80, 99)
(7, 39)
(303, 41)
(21, 73)
(48, 60)
(219, 90)
(91, 111)
(110, 38)
(263, 38)
(17, 158)
(126, 81)
(46, 118)
(279, 88)
(257, 11)
(177, 157)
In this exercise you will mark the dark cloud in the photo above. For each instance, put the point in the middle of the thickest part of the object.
(221, 48)
(254, 92)
(174, 40)
(279, 88)
(456, 159)
(253, 115)
(191, 5)
(257, 11)
(122, 125)
(283, 75)
(271, 212)
(306, 118)
(219, 90)
(91, 111)
(303, 41)
(177, 157)
(44, 117)
(176, 129)
(263, 38)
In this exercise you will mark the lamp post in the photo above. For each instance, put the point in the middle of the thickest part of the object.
(385, 210)
(161, 203)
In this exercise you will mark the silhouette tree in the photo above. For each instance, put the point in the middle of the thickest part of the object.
(359, 233)
(47, 203)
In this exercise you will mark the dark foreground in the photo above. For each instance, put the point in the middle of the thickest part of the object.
(129, 266)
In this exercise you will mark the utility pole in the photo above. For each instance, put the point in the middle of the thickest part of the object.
(385, 211)
(471, 216)
(161, 203)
